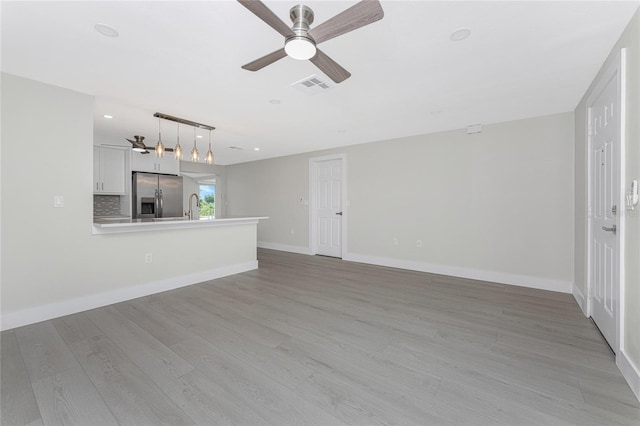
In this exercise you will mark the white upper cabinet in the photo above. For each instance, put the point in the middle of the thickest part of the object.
(151, 164)
(109, 170)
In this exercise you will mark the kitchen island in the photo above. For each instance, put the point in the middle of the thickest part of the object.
(120, 225)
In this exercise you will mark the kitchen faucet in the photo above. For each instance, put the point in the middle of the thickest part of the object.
(190, 212)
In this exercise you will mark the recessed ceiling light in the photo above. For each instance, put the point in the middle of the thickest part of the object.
(274, 101)
(256, 149)
(106, 30)
(460, 34)
(108, 116)
(436, 112)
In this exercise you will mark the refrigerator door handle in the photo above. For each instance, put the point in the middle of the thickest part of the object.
(156, 200)
(161, 204)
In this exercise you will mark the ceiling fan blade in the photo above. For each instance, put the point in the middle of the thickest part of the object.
(263, 12)
(358, 15)
(330, 67)
(265, 60)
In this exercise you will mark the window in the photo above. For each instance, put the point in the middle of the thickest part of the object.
(207, 201)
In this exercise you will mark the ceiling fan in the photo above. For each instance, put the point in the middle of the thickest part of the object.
(139, 146)
(301, 40)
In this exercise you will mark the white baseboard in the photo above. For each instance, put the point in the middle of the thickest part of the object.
(475, 274)
(80, 304)
(285, 247)
(630, 372)
(582, 302)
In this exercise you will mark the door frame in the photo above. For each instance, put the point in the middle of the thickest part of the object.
(313, 231)
(615, 70)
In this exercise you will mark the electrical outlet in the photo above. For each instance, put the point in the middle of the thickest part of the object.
(395, 241)
(292, 231)
(148, 258)
(418, 243)
(58, 201)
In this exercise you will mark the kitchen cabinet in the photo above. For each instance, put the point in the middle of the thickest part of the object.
(109, 170)
(151, 164)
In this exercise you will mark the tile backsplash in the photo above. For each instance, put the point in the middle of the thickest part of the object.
(106, 205)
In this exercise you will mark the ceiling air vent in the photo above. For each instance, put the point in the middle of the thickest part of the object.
(236, 148)
(312, 85)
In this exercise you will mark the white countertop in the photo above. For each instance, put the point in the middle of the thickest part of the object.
(119, 225)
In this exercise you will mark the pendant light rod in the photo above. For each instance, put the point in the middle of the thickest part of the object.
(195, 155)
(177, 151)
(183, 121)
(159, 146)
(209, 157)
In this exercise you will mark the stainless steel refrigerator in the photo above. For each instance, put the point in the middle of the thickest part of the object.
(156, 196)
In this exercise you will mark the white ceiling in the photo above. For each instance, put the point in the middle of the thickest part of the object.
(523, 59)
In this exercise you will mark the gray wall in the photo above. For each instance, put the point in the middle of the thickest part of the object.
(497, 204)
(50, 259)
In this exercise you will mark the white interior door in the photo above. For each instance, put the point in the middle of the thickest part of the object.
(604, 131)
(328, 204)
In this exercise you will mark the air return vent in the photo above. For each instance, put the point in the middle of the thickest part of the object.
(236, 148)
(312, 85)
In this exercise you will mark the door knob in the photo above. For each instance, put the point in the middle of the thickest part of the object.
(612, 229)
(339, 213)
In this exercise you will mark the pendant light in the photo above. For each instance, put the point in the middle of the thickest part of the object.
(159, 145)
(209, 157)
(177, 151)
(195, 156)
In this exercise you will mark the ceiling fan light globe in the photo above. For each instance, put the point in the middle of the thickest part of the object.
(300, 48)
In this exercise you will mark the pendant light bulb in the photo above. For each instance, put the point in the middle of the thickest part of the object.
(177, 151)
(209, 157)
(159, 145)
(195, 156)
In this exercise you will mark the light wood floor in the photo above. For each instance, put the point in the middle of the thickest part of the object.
(312, 340)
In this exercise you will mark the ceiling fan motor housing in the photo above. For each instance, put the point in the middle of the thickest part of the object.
(138, 144)
(302, 18)
(301, 45)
